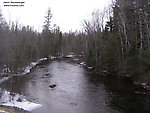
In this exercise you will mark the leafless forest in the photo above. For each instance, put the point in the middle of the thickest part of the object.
(119, 45)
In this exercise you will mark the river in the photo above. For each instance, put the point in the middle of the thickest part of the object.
(77, 90)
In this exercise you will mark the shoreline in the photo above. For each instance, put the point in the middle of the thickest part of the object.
(9, 109)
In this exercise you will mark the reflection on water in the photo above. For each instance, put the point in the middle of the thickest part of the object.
(77, 91)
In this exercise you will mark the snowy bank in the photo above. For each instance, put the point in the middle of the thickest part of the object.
(83, 63)
(2, 111)
(70, 56)
(32, 65)
(27, 70)
(4, 79)
(17, 100)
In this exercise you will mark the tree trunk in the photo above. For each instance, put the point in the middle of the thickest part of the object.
(141, 34)
(121, 40)
(148, 30)
(124, 31)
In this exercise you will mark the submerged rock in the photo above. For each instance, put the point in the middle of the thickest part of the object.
(140, 83)
(19, 100)
(47, 74)
(52, 85)
(41, 66)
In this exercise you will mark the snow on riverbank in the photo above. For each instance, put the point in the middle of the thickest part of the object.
(27, 70)
(32, 65)
(70, 56)
(16, 100)
(4, 79)
(83, 63)
(2, 111)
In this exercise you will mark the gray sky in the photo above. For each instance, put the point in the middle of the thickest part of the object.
(67, 14)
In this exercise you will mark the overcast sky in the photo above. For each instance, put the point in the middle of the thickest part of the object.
(67, 14)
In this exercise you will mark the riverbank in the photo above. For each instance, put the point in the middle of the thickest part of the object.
(8, 109)
(142, 82)
(11, 99)
(8, 74)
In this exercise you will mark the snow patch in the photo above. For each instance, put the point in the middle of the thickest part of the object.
(6, 70)
(4, 79)
(32, 65)
(43, 59)
(76, 59)
(26, 105)
(2, 111)
(16, 100)
(58, 57)
(69, 56)
(27, 70)
(83, 63)
(90, 67)
(52, 57)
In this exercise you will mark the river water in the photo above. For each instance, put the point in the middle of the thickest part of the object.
(77, 90)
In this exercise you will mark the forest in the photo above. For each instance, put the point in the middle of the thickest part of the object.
(120, 45)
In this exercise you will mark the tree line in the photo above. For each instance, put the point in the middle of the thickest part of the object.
(20, 45)
(122, 44)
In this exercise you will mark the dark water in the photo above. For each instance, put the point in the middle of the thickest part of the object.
(77, 91)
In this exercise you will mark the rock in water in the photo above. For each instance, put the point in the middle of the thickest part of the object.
(47, 74)
(19, 100)
(52, 85)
